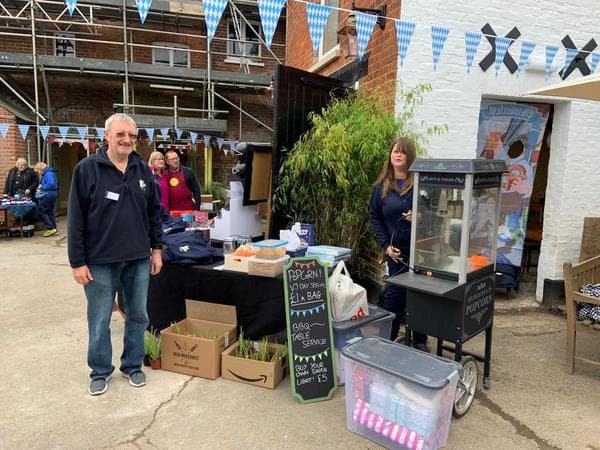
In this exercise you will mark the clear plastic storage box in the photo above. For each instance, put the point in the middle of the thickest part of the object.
(377, 323)
(398, 396)
(269, 249)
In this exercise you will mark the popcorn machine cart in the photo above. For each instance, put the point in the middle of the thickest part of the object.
(451, 284)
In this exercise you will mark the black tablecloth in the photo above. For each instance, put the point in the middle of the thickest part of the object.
(259, 301)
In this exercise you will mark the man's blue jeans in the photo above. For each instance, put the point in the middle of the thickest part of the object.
(133, 277)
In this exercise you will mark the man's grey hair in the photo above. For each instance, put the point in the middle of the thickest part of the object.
(118, 117)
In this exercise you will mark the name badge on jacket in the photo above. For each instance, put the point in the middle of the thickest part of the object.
(112, 196)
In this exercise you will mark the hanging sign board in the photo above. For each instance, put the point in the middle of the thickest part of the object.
(309, 332)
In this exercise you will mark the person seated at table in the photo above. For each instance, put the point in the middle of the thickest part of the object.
(21, 180)
(46, 195)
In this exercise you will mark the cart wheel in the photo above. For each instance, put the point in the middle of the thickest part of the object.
(467, 386)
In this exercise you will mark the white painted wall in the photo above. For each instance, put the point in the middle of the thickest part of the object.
(574, 170)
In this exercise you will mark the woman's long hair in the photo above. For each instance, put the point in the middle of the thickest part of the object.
(387, 178)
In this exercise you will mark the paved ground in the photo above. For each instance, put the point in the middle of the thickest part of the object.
(532, 403)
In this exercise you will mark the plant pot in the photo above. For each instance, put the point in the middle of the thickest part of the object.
(155, 364)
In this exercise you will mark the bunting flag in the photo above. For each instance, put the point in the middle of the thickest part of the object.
(213, 10)
(232, 145)
(206, 140)
(64, 131)
(82, 132)
(71, 6)
(472, 40)
(100, 132)
(502, 44)
(269, 11)
(314, 357)
(595, 61)
(220, 142)
(43, 129)
(550, 54)
(193, 136)
(164, 132)
(24, 129)
(526, 49)
(225, 151)
(364, 29)
(307, 312)
(150, 133)
(3, 130)
(143, 6)
(438, 39)
(317, 16)
(404, 33)
(179, 132)
(571, 54)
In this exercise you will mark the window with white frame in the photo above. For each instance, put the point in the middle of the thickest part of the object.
(244, 45)
(169, 54)
(330, 36)
(64, 44)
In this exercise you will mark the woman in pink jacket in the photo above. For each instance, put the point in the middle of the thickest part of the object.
(158, 167)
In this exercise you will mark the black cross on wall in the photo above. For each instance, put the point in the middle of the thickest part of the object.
(579, 60)
(490, 58)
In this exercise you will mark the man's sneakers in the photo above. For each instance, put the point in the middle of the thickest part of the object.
(136, 379)
(99, 386)
(49, 233)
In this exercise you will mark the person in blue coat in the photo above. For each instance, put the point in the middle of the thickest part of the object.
(390, 214)
(46, 196)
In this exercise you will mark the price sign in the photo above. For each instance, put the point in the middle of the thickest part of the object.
(310, 337)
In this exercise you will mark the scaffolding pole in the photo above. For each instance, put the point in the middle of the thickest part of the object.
(35, 83)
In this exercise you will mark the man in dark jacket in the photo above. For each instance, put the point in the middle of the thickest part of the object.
(183, 185)
(114, 239)
(21, 180)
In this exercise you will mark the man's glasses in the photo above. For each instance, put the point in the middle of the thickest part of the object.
(122, 135)
(175, 158)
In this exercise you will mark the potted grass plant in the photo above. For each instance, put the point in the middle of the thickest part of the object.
(152, 348)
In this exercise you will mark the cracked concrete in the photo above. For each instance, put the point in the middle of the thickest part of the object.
(532, 403)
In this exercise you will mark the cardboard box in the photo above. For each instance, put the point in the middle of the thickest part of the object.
(193, 346)
(236, 263)
(259, 373)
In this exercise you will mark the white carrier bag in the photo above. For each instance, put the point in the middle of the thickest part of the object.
(349, 299)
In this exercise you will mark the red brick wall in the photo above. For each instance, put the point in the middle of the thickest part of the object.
(382, 48)
(13, 146)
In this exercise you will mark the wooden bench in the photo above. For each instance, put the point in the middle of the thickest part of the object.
(577, 276)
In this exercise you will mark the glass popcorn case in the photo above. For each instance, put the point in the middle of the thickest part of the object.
(456, 207)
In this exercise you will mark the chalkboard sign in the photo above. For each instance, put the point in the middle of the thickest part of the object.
(479, 305)
(310, 338)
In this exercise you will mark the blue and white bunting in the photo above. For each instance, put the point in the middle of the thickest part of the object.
(550, 54)
(404, 33)
(71, 6)
(569, 57)
(307, 312)
(317, 16)
(232, 144)
(3, 130)
(143, 6)
(179, 132)
(193, 136)
(24, 129)
(150, 133)
(82, 132)
(164, 132)
(206, 140)
(100, 132)
(64, 132)
(43, 129)
(364, 29)
(213, 10)
(595, 61)
(220, 142)
(502, 44)
(472, 40)
(269, 11)
(438, 39)
(526, 49)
